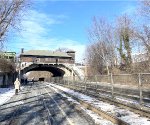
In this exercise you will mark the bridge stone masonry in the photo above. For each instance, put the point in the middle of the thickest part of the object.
(60, 64)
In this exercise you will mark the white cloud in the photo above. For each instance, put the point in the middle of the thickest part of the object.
(31, 27)
(36, 30)
(53, 44)
(41, 18)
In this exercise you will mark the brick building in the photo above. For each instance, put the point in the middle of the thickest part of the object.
(46, 56)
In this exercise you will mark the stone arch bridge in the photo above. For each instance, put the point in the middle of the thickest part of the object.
(60, 64)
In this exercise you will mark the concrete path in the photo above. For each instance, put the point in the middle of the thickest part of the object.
(40, 105)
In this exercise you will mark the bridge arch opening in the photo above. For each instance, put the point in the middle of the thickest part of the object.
(56, 72)
(52, 70)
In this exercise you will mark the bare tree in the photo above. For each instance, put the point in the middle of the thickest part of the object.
(145, 8)
(6, 66)
(62, 50)
(94, 60)
(10, 11)
(143, 33)
(100, 53)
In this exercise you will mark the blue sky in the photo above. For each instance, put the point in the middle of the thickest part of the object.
(50, 24)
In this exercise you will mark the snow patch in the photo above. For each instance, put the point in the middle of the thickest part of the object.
(123, 114)
(6, 94)
(97, 119)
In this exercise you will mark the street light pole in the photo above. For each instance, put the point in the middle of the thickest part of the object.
(19, 61)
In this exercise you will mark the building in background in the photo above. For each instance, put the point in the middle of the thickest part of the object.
(142, 57)
(10, 56)
(46, 56)
(7, 68)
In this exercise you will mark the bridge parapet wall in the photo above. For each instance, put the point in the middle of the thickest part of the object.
(47, 60)
(78, 72)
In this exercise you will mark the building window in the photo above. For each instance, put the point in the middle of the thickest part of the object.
(46, 59)
(38, 59)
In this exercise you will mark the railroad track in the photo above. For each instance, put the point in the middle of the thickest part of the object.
(51, 113)
(49, 117)
(117, 91)
(142, 110)
(103, 114)
(50, 120)
(123, 92)
(98, 111)
(132, 108)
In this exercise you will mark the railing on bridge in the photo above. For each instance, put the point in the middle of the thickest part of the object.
(47, 60)
(26, 64)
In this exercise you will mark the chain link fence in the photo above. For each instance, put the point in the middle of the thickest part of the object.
(132, 86)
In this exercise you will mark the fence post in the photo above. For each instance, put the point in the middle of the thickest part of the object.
(3, 80)
(96, 83)
(85, 84)
(68, 81)
(140, 89)
(112, 85)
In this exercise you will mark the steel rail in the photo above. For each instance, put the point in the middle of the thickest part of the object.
(143, 111)
(49, 115)
(100, 112)
(62, 111)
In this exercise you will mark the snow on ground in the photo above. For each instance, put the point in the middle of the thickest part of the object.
(121, 99)
(127, 100)
(6, 94)
(98, 120)
(126, 115)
